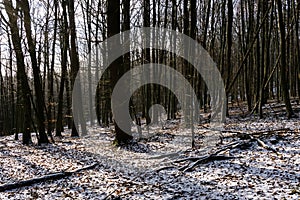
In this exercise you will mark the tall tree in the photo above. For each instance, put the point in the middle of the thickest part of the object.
(283, 63)
(146, 59)
(51, 73)
(74, 70)
(229, 41)
(21, 72)
(40, 101)
(88, 34)
(64, 43)
(113, 28)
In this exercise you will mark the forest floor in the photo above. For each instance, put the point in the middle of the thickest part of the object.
(257, 159)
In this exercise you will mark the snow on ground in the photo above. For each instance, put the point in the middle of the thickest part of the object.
(129, 173)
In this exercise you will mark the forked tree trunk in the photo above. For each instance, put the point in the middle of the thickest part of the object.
(21, 72)
(40, 101)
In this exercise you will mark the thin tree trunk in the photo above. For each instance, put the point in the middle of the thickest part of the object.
(229, 46)
(147, 59)
(64, 42)
(283, 64)
(74, 71)
(51, 75)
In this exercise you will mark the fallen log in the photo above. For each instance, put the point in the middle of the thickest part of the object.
(54, 176)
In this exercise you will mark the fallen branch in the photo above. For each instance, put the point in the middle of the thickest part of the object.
(194, 161)
(242, 134)
(261, 143)
(189, 159)
(207, 159)
(53, 176)
(203, 159)
(164, 168)
(265, 146)
(258, 140)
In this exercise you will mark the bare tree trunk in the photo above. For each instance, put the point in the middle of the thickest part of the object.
(88, 35)
(75, 71)
(51, 75)
(147, 58)
(40, 101)
(283, 64)
(64, 43)
(229, 46)
(113, 28)
(193, 34)
(12, 89)
(21, 72)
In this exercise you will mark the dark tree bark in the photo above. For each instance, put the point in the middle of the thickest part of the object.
(98, 68)
(64, 43)
(12, 90)
(50, 115)
(146, 59)
(126, 39)
(172, 98)
(265, 57)
(186, 71)
(283, 63)
(74, 71)
(40, 101)
(88, 34)
(69, 102)
(113, 28)
(229, 39)
(21, 72)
